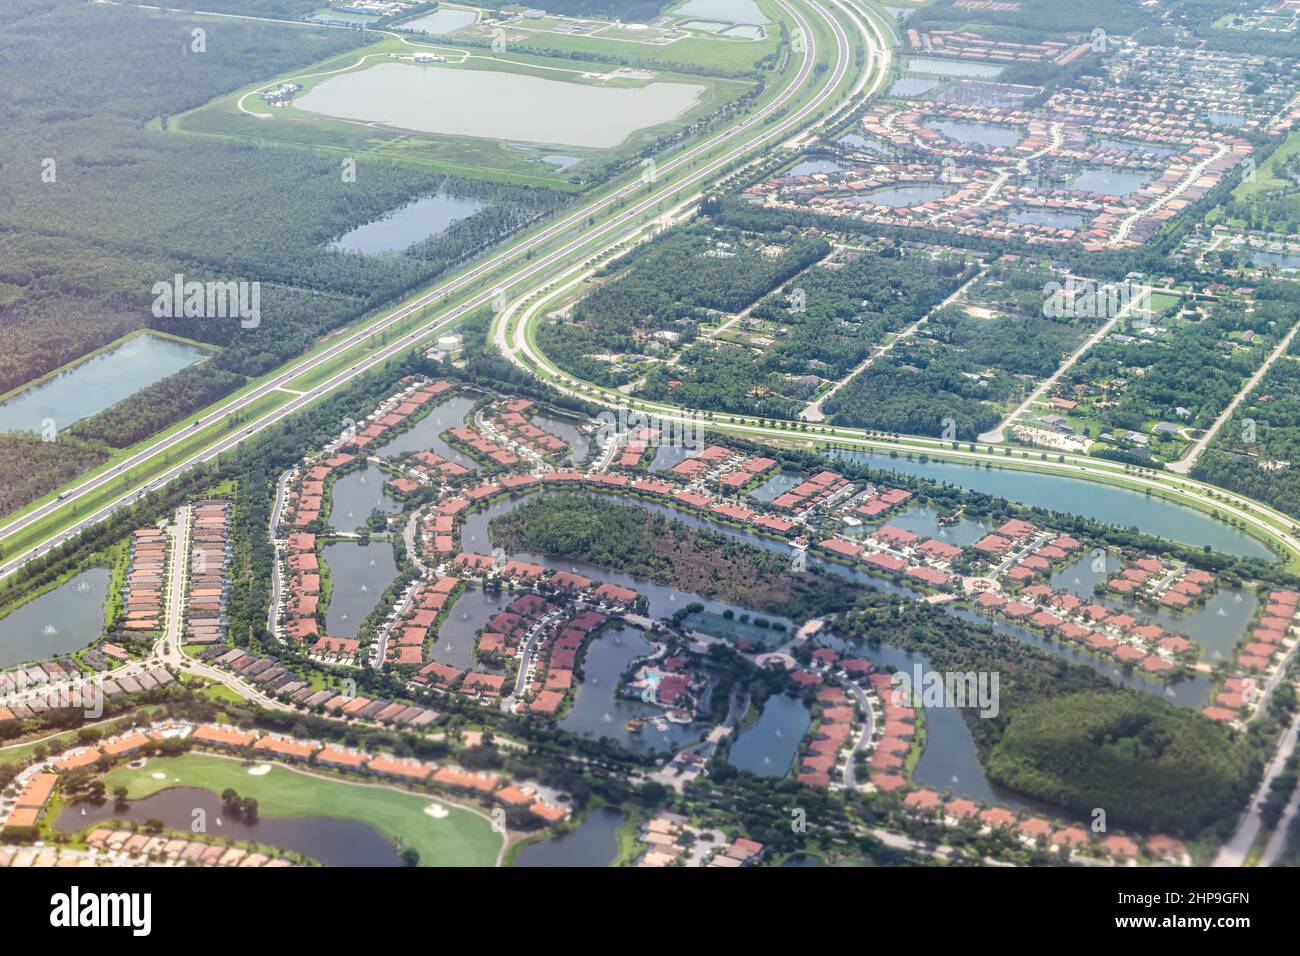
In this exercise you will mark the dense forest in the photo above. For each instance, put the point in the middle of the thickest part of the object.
(1144, 762)
(154, 408)
(99, 203)
(30, 467)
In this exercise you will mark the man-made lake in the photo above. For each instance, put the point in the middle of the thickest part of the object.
(1107, 182)
(442, 21)
(758, 629)
(769, 746)
(912, 86)
(360, 573)
(424, 434)
(925, 64)
(1117, 506)
(593, 843)
(982, 134)
(567, 430)
(1137, 147)
(458, 631)
(728, 11)
(1057, 220)
(597, 711)
(924, 520)
(499, 105)
(900, 196)
(58, 622)
(810, 166)
(1216, 626)
(775, 486)
(330, 840)
(407, 225)
(97, 383)
(858, 141)
(358, 493)
(1279, 260)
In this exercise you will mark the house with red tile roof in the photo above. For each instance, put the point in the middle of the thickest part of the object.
(993, 544)
(997, 817)
(961, 808)
(225, 735)
(923, 800)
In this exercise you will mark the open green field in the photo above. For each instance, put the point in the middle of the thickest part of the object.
(1264, 180)
(246, 114)
(696, 50)
(462, 838)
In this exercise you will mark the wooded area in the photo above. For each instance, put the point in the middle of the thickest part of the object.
(101, 202)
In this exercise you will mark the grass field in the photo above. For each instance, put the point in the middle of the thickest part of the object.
(245, 114)
(1264, 180)
(462, 838)
(696, 51)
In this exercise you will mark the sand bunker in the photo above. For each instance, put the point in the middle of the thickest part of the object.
(261, 770)
(437, 811)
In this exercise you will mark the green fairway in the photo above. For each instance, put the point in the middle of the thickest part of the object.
(462, 838)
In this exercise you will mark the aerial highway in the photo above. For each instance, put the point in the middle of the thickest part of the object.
(532, 259)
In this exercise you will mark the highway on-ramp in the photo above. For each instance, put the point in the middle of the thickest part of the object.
(527, 260)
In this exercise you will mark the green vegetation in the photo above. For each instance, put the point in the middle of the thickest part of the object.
(30, 466)
(1257, 451)
(963, 367)
(668, 291)
(1196, 364)
(1145, 763)
(169, 205)
(629, 539)
(461, 838)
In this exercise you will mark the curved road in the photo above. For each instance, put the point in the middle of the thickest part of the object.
(746, 138)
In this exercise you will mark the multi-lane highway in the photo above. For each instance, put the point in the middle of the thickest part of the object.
(602, 223)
